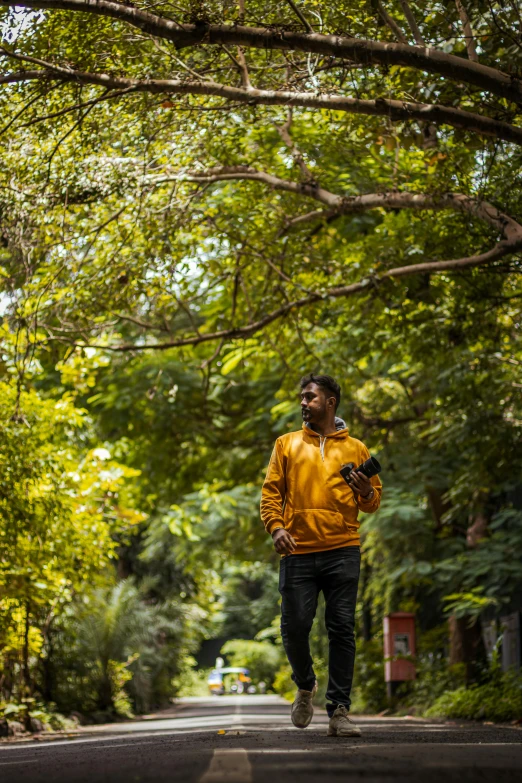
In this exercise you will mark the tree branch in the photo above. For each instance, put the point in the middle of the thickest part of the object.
(396, 111)
(408, 13)
(379, 421)
(468, 32)
(364, 51)
(392, 24)
(245, 77)
(140, 323)
(302, 18)
(343, 205)
(284, 132)
(498, 251)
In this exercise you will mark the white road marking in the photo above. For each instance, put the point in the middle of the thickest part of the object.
(6, 763)
(337, 747)
(292, 750)
(228, 766)
(108, 738)
(220, 721)
(391, 746)
(236, 718)
(431, 726)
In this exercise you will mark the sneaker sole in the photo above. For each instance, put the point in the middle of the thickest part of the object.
(302, 725)
(334, 733)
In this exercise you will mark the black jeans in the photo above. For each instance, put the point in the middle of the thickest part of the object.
(301, 578)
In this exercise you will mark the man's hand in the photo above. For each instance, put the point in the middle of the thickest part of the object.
(360, 484)
(284, 543)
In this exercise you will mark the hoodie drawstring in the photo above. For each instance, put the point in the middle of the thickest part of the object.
(322, 441)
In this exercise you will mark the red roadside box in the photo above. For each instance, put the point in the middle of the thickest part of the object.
(399, 641)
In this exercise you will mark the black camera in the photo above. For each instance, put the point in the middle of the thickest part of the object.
(370, 468)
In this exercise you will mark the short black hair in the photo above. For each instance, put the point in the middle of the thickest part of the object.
(326, 382)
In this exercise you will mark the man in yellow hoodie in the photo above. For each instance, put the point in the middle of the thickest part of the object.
(312, 515)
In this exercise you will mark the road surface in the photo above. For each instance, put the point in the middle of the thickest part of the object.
(249, 739)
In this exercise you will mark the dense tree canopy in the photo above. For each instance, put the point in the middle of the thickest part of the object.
(146, 117)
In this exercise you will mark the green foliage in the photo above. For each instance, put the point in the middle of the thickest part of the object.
(500, 699)
(398, 543)
(191, 681)
(283, 683)
(217, 519)
(31, 708)
(470, 604)
(62, 506)
(115, 652)
(249, 600)
(369, 690)
(263, 659)
(486, 575)
(58, 506)
(434, 676)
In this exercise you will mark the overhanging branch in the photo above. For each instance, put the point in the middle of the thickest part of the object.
(395, 110)
(504, 224)
(358, 50)
(499, 251)
(343, 205)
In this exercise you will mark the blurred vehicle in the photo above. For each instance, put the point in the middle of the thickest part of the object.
(230, 679)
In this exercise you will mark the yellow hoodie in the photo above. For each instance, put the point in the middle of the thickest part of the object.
(304, 492)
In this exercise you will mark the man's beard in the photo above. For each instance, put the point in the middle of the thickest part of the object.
(307, 415)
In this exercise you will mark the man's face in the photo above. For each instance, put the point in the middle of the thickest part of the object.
(315, 403)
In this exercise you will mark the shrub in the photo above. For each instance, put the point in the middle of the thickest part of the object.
(283, 683)
(499, 699)
(434, 676)
(114, 653)
(191, 681)
(31, 708)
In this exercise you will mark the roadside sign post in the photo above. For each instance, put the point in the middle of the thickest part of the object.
(399, 650)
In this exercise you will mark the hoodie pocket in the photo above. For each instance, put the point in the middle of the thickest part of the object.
(314, 527)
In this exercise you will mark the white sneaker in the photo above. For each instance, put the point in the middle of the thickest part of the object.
(302, 709)
(341, 725)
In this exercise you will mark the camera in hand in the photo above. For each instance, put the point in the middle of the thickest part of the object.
(370, 468)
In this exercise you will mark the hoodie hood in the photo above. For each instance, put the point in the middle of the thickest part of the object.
(340, 424)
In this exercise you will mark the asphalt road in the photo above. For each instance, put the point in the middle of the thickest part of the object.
(249, 739)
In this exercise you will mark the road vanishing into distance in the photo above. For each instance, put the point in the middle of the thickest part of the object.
(250, 739)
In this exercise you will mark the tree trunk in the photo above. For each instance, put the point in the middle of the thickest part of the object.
(367, 608)
(437, 506)
(26, 675)
(466, 646)
(466, 642)
(105, 700)
(367, 623)
(47, 664)
(123, 566)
